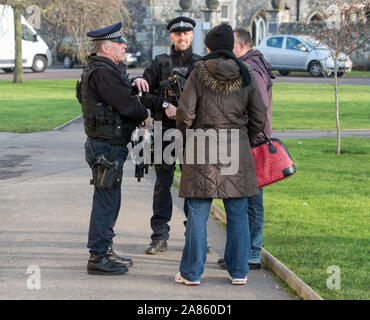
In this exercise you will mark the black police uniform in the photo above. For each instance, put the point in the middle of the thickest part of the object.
(158, 70)
(110, 114)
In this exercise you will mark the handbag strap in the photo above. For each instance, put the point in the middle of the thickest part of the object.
(266, 136)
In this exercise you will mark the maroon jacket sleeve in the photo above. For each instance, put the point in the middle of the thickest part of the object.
(266, 94)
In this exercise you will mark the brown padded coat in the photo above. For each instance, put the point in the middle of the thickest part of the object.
(214, 98)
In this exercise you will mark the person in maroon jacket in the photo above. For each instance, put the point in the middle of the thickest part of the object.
(243, 49)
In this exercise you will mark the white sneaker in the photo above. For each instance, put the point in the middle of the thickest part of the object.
(179, 279)
(239, 282)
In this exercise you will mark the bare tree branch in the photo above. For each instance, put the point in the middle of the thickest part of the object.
(74, 18)
(345, 31)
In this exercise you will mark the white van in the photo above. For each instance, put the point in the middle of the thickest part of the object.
(35, 52)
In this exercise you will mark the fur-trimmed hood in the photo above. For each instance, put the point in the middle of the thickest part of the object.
(221, 75)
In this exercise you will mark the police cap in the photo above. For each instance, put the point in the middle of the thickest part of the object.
(181, 24)
(112, 33)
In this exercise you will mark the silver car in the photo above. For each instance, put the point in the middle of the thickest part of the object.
(288, 53)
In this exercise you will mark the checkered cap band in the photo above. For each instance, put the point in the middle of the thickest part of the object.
(181, 24)
(113, 35)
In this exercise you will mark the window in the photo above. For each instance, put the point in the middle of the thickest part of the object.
(27, 34)
(275, 42)
(225, 12)
(273, 27)
(258, 30)
(293, 44)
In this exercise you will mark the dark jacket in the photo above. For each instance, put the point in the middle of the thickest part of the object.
(182, 61)
(214, 98)
(263, 75)
(112, 86)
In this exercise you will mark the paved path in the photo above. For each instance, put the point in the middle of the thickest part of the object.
(355, 81)
(303, 134)
(45, 202)
(58, 73)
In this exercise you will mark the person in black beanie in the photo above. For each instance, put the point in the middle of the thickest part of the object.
(220, 94)
(220, 42)
(220, 37)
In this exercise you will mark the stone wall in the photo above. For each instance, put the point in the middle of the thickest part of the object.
(247, 10)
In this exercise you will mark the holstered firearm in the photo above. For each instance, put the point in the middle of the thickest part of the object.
(108, 175)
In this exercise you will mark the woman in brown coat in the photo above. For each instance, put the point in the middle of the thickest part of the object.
(217, 97)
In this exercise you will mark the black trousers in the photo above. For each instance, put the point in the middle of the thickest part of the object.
(106, 202)
(162, 199)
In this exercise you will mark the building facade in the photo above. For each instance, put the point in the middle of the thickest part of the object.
(262, 18)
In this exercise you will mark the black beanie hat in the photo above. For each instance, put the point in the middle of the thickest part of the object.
(220, 37)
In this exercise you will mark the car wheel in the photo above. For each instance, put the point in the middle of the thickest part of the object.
(39, 64)
(67, 62)
(8, 70)
(315, 69)
(284, 72)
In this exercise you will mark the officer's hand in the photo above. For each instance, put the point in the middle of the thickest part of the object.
(171, 111)
(146, 123)
(141, 84)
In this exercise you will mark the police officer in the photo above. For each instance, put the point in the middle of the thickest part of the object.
(163, 108)
(110, 114)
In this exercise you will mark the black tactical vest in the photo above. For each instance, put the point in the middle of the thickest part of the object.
(101, 121)
(167, 69)
(166, 65)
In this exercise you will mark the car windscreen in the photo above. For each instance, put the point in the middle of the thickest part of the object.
(314, 44)
(275, 42)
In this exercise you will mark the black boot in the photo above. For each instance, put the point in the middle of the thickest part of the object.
(119, 260)
(157, 246)
(103, 265)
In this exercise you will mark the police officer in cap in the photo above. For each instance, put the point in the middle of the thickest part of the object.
(110, 114)
(163, 108)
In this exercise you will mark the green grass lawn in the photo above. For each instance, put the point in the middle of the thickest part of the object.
(44, 105)
(358, 74)
(37, 105)
(320, 216)
(311, 106)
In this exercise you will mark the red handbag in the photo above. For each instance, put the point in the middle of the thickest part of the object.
(273, 161)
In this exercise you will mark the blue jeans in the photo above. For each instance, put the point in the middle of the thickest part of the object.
(256, 217)
(106, 202)
(237, 244)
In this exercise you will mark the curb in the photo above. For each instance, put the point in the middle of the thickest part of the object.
(297, 284)
(67, 123)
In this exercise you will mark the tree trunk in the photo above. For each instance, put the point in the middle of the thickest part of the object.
(337, 102)
(18, 65)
